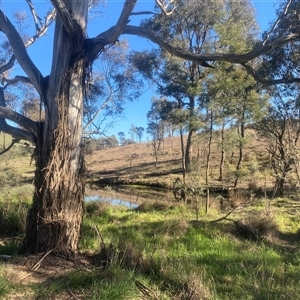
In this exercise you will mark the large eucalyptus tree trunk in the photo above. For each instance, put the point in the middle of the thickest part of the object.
(54, 221)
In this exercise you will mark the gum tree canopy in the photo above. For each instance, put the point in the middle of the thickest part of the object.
(55, 217)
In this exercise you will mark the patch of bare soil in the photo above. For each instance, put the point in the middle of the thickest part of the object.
(26, 271)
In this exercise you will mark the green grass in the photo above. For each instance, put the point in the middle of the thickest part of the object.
(161, 251)
(4, 285)
(167, 247)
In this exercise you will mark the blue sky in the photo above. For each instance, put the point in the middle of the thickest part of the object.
(135, 113)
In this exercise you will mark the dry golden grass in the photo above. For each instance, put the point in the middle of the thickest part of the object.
(135, 163)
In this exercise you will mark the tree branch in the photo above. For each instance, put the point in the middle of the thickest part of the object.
(17, 133)
(36, 18)
(8, 65)
(40, 31)
(252, 72)
(142, 13)
(28, 124)
(165, 7)
(22, 121)
(14, 141)
(14, 80)
(20, 52)
(199, 58)
(111, 35)
(277, 22)
(68, 21)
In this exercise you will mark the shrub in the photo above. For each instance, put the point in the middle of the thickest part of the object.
(96, 207)
(257, 226)
(13, 218)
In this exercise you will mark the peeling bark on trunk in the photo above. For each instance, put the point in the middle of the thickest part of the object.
(55, 218)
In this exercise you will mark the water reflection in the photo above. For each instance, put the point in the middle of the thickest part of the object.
(111, 200)
(128, 197)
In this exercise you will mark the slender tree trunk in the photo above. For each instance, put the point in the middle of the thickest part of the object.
(241, 147)
(192, 131)
(55, 218)
(189, 150)
(221, 168)
(208, 162)
(182, 155)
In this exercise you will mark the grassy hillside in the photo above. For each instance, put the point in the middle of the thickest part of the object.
(135, 164)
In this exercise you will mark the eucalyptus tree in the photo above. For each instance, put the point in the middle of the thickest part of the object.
(140, 132)
(55, 217)
(157, 118)
(188, 26)
(199, 26)
(122, 138)
(232, 95)
(281, 130)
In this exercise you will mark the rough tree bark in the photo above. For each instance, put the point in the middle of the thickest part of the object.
(55, 217)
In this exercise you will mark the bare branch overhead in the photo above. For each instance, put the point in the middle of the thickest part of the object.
(41, 29)
(20, 52)
(252, 72)
(280, 18)
(230, 57)
(167, 7)
(111, 35)
(14, 80)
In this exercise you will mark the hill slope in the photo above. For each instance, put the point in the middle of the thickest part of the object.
(135, 163)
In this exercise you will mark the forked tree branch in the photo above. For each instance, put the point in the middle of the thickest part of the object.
(252, 72)
(166, 7)
(277, 22)
(14, 141)
(111, 35)
(40, 31)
